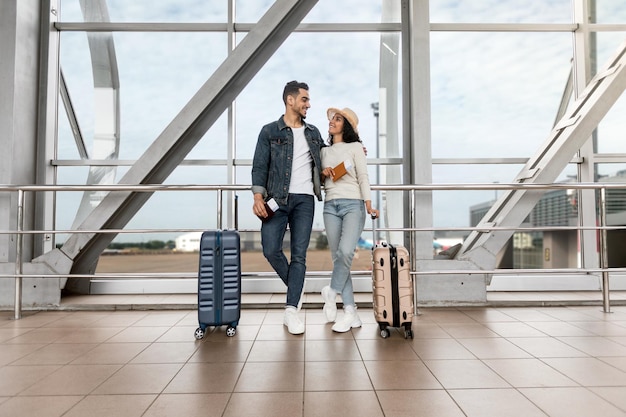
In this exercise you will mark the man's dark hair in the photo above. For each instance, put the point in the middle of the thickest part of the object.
(292, 88)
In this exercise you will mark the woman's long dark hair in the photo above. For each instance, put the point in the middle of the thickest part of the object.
(348, 133)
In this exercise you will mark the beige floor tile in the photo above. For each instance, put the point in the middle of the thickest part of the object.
(15, 379)
(467, 330)
(559, 328)
(418, 403)
(444, 315)
(547, 347)
(386, 350)
(571, 402)
(111, 353)
(175, 352)
(90, 335)
(619, 363)
(161, 318)
(72, 380)
(527, 315)
(112, 405)
(601, 328)
(465, 374)
(267, 404)
(336, 376)
(595, 346)
(188, 405)
(37, 406)
(11, 353)
(139, 379)
(179, 333)
(487, 315)
(332, 350)
(429, 330)
(138, 334)
(493, 348)
(342, 403)
(9, 333)
(514, 329)
(55, 354)
(590, 372)
(277, 351)
(41, 335)
(205, 377)
(400, 375)
(440, 349)
(495, 403)
(271, 377)
(121, 319)
(614, 395)
(231, 349)
(528, 373)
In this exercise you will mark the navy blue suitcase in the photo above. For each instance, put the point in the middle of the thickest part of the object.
(219, 281)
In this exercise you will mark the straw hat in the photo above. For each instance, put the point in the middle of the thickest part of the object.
(347, 114)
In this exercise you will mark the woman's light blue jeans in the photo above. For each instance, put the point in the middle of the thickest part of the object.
(344, 219)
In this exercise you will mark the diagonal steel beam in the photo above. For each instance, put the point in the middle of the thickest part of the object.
(567, 137)
(81, 251)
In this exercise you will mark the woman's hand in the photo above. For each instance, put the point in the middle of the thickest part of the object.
(370, 210)
(328, 172)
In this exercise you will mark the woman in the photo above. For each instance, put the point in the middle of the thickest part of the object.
(346, 202)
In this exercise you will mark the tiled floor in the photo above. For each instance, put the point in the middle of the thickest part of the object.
(473, 361)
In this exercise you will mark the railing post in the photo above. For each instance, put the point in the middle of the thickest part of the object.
(18, 255)
(604, 256)
(219, 208)
(413, 225)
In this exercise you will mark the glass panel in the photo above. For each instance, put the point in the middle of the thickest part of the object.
(611, 128)
(495, 95)
(334, 81)
(325, 11)
(158, 76)
(610, 11)
(206, 11)
(500, 11)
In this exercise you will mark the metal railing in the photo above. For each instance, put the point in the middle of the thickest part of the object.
(604, 270)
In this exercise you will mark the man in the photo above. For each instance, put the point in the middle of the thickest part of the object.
(286, 167)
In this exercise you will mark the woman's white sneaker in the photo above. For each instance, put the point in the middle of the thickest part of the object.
(330, 305)
(349, 320)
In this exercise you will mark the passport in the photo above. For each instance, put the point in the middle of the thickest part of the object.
(271, 206)
(342, 169)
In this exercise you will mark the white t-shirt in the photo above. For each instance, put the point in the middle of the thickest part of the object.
(301, 177)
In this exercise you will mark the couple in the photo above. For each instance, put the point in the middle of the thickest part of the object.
(290, 162)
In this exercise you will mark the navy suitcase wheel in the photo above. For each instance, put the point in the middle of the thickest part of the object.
(219, 281)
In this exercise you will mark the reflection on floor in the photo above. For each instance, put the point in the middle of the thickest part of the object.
(465, 361)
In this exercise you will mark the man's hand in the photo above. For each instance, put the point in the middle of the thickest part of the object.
(258, 208)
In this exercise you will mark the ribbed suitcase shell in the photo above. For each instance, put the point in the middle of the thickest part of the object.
(219, 279)
(392, 288)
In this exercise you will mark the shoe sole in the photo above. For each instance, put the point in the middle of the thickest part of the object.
(352, 326)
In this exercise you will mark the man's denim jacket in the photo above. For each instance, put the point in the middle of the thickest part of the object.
(273, 158)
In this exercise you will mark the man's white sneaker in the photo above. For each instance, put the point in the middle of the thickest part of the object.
(293, 322)
(349, 320)
(330, 306)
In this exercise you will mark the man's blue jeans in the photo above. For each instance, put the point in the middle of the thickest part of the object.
(298, 214)
(344, 220)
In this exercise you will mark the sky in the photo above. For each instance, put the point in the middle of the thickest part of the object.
(493, 94)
